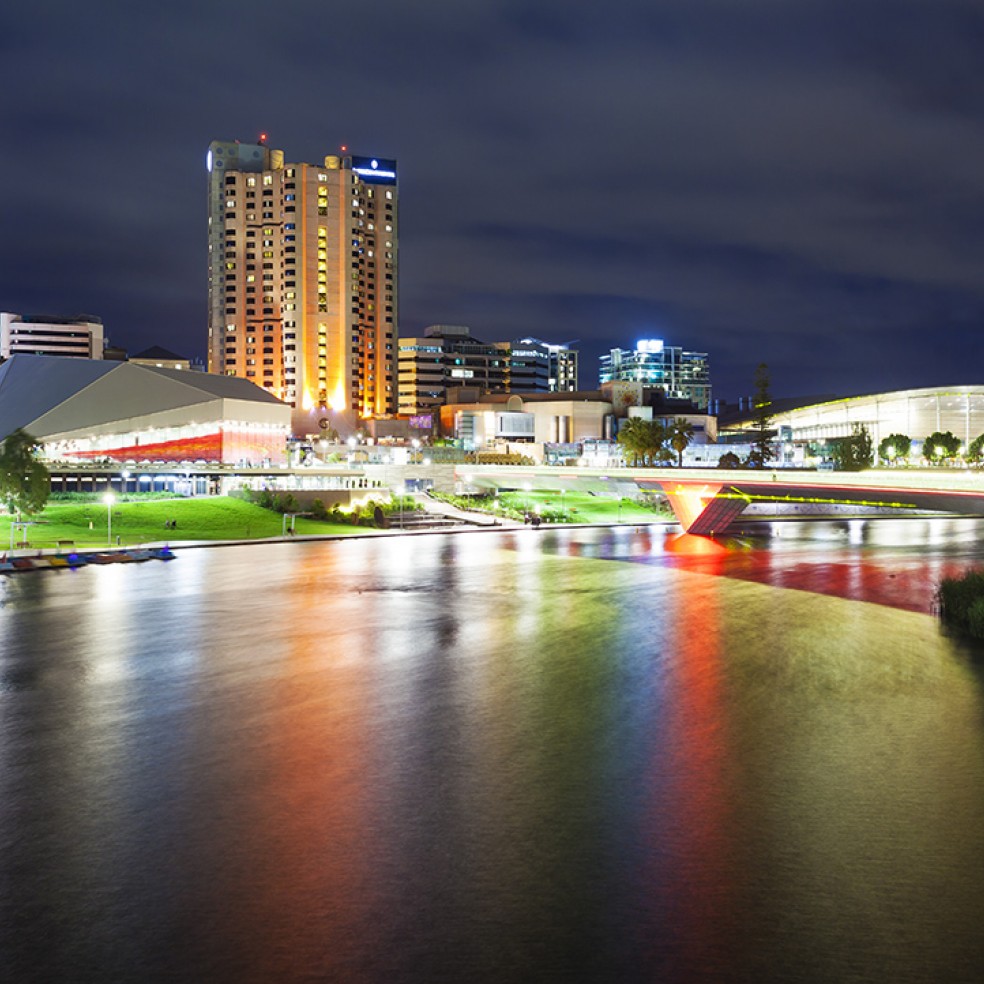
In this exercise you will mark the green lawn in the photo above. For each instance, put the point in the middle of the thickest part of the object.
(584, 508)
(217, 518)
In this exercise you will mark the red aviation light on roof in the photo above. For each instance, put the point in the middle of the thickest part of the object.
(263, 138)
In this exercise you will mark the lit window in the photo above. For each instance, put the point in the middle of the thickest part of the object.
(268, 179)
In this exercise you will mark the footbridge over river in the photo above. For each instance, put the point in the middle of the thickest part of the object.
(707, 500)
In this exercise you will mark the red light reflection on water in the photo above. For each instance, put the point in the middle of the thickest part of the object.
(691, 875)
(907, 581)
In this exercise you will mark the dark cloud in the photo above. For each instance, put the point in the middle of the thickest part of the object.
(795, 182)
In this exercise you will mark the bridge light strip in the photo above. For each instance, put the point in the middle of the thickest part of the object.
(749, 497)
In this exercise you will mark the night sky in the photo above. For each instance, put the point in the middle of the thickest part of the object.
(788, 181)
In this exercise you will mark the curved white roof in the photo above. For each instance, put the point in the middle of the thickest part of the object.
(51, 395)
(915, 413)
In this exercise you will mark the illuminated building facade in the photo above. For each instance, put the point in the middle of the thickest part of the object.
(25, 334)
(803, 431)
(97, 409)
(680, 374)
(303, 279)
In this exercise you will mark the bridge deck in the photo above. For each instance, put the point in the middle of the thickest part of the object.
(707, 500)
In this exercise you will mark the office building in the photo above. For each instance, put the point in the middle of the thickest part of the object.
(448, 356)
(161, 358)
(542, 367)
(31, 334)
(529, 366)
(563, 368)
(303, 279)
(679, 374)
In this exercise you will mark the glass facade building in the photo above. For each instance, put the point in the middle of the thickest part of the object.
(680, 374)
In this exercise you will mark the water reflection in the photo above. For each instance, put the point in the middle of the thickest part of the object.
(562, 754)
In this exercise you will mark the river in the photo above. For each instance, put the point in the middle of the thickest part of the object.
(564, 754)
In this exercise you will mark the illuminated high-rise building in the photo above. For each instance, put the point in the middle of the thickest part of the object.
(303, 278)
(680, 374)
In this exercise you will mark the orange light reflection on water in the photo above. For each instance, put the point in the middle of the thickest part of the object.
(311, 890)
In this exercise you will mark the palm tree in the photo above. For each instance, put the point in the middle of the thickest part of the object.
(681, 433)
(632, 437)
(643, 440)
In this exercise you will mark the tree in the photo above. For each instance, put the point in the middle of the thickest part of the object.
(25, 482)
(975, 451)
(762, 433)
(681, 433)
(895, 449)
(853, 453)
(632, 440)
(940, 446)
(643, 440)
(729, 460)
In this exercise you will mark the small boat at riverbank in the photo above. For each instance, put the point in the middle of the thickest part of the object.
(18, 565)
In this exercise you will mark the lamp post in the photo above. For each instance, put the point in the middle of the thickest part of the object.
(416, 446)
(125, 476)
(109, 499)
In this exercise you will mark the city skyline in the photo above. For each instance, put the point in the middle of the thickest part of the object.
(760, 183)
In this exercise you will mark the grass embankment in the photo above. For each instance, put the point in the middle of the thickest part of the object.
(216, 518)
(961, 601)
(572, 507)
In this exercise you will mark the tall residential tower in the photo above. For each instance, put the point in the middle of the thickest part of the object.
(303, 279)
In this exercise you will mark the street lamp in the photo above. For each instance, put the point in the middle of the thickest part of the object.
(109, 499)
(416, 445)
(125, 475)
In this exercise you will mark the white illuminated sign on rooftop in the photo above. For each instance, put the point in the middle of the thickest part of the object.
(653, 345)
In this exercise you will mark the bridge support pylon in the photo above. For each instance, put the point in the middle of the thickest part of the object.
(704, 509)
